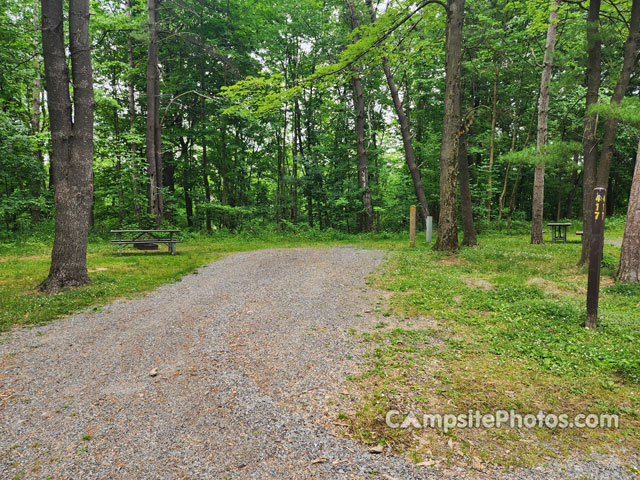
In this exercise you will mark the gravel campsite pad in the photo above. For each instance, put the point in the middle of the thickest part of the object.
(225, 374)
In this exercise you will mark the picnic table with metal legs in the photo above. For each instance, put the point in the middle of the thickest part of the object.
(559, 231)
(152, 239)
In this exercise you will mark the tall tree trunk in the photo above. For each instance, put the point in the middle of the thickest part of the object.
(132, 128)
(71, 140)
(310, 169)
(611, 127)
(590, 139)
(543, 119)
(36, 180)
(280, 188)
(157, 135)
(186, 180)
(294, 172)
(363, 173)
(492, 138)
(468, 228)
(629, 268)
(207, 187)
(405, 132)
(205, 166)
(119, 173)
(153, 121)
(224, 173)
(298, 127)
(447, 223)
(116, 131)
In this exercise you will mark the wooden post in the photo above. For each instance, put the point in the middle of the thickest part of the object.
(595, 256)
(429, 228)
(412, 226)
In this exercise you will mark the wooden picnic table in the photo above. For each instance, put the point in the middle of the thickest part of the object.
(559, 231)
(146, 239)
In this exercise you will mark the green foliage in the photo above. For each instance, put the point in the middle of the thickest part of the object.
(627, 111)
(237, 77)
(555, 154)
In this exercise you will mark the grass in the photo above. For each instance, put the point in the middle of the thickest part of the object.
(500, 327)
(24, 264)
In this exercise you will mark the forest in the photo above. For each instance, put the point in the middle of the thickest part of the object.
(330, 115)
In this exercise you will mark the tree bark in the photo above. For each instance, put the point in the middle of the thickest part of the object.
(447, 222)
(611, 127)
(363, 173)
(468, 228)
(71, 140)
(590, 139)
(405, 132)
(629, 267)
(36, 180)
(152, 128)
(543, 118)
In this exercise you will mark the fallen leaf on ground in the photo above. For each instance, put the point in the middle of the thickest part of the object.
(376, 449)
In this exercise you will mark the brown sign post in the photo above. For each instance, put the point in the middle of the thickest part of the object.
(595, 256)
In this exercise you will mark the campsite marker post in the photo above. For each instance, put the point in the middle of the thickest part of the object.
(595, 256)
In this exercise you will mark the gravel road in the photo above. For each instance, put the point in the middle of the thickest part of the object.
(248, 352)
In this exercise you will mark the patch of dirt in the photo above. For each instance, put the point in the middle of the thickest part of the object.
(550, 287)
(480, 283)
(450, 260)
(98, 269)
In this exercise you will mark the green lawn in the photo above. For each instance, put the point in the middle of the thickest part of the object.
(500, 326)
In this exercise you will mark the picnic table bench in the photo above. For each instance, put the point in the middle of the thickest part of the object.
(147, 239)
(559, 231)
